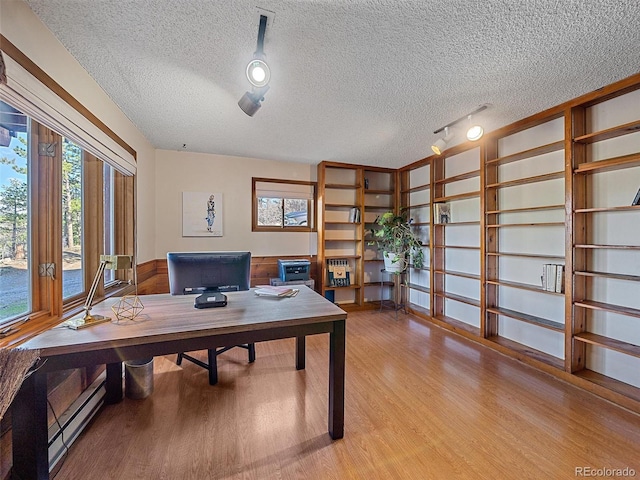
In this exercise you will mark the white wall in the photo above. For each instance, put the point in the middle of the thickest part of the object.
(178, 172)
(23, 28)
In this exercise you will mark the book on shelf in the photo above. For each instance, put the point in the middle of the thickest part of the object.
(354, 215)
(552, 277)
(339, 272)
(636, 200)
(441, 213)
(559, 283)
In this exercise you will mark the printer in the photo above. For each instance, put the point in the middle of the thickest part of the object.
(294, 269)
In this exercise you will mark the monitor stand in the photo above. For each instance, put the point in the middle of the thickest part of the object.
(210, 299)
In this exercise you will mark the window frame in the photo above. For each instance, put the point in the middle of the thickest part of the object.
(45, 234)
(311, 206)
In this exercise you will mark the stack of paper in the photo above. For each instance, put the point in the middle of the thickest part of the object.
(273, 291)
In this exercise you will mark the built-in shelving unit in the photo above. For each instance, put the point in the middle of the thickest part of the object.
(524, 231)
(379, 197)
(605, 167)
(456, 250)
(415, 196)
(554, 189)
(350, 198)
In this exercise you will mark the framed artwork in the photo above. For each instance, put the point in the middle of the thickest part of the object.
(201, 214)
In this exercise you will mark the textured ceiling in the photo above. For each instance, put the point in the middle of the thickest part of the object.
(357, 81)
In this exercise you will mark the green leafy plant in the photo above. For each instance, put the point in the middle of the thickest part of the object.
(395, 237)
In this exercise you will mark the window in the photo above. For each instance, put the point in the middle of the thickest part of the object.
(283, 205)
(15, 271)
(60, 208)
(72, 278)
(109, 224)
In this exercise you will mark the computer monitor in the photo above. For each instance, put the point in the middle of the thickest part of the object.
(199, 272)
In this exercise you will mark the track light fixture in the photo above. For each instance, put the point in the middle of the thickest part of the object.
(441, 144)
(258, 74)
(474, 133)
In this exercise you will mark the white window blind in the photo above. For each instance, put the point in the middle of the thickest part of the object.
(284, 190)
(29, 95)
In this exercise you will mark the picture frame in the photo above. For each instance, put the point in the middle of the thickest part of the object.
(202, 214)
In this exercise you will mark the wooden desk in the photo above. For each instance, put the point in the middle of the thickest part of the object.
(170, 324)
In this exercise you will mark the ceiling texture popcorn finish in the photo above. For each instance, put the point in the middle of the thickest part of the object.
(363, 81)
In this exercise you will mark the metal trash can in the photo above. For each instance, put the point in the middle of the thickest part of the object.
(138, 378)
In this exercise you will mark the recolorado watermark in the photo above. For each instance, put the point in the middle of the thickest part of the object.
(604, 472)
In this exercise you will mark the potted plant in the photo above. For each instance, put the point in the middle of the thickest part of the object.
(397, 242)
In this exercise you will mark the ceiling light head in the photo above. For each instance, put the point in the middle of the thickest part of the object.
(258, 72)
(475, 133)
(441, 144)
(250, 101)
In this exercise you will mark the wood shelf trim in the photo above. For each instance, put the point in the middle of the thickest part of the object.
(378, 284)
(608, 343)
(457, 178)
(613, 276)
(342, 240)
(417, 188)
(526, 180)
(341, 223)
(471, 222)
(459, 196)
(523, 286)
(347, 287)
(472, 276)
(341, 186)
(420, 288)
(608, 247)
(341, 205)
(627, 128)
(608, 307)
(338, 257)
(527, 209)
(459, 298)
(418, 205)
(528, 351)
(614, 163)
(378, 192)
(459, 247)
(541, 224)
(375, 260)
(458, 324)
(526, 255)
(624, 208)
(525, 317)
(533, 152)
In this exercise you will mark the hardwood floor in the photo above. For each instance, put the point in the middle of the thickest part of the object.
(421, 403)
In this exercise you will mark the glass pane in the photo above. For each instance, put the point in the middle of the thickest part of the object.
(15, 292)
(72, 278)
(269, 212)
(109, 275)
(295, 212)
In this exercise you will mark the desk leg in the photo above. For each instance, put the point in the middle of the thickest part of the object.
(30, 435)
(300, 352)
(336, 379)
(114, 383)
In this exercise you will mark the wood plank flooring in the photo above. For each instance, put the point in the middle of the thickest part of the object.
(421, 403)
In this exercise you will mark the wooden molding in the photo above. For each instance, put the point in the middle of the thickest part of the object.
(25, 62)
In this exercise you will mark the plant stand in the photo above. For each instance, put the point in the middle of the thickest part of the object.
(398, 280)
